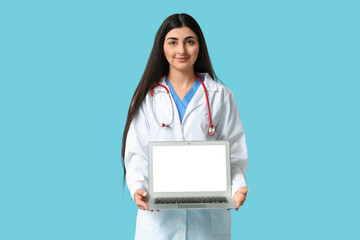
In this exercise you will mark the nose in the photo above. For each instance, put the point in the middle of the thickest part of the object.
(181, 49)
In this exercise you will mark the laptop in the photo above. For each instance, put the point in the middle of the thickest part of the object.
(189, 174)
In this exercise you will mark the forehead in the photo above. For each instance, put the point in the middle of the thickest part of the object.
(181, 32)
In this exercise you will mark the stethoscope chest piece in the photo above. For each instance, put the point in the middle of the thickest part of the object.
(211, 130)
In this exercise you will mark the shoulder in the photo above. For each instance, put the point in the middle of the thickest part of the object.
(214, 86)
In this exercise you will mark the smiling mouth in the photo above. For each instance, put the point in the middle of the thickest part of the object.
(182, 59)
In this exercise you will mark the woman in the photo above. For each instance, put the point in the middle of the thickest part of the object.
(180, 62)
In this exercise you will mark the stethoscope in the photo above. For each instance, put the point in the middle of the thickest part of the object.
(211, 130)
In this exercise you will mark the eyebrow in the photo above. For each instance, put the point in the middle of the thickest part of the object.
(174, 38)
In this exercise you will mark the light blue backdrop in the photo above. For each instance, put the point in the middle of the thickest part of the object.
(68, 70)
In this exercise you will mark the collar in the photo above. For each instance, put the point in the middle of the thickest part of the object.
(210, 84)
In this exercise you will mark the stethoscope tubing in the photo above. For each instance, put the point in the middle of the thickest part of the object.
(211, 130)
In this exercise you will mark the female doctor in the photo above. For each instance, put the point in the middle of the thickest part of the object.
(178, 99)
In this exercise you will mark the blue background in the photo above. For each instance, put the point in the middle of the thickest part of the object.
(68, 70)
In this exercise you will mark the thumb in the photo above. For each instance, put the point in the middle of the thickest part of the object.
(141, 192)
(243, 190)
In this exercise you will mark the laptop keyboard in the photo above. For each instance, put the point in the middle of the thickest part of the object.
(190, 200)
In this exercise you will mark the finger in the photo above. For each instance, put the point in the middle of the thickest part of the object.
(244, 190)
(141, 192)
(146, 204)
(141, 198)
(241, 200)
(141, 204)
(143, 208)
(238, 202)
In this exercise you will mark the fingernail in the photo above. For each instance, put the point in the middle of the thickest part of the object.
(144, 194)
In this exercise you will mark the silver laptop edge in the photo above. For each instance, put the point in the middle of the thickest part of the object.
(152, 195)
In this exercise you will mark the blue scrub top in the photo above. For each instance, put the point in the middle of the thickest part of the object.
(182, 105)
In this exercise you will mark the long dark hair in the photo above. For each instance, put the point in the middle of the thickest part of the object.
(157, 66)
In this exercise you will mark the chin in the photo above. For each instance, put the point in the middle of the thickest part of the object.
(183, 67)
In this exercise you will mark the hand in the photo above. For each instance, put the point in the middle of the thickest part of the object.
(141, 199)
(240, 197)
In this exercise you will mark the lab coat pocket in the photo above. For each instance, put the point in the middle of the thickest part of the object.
(145, 221)
(220, 221)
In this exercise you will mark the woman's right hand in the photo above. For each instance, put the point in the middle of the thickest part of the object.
(141, 199)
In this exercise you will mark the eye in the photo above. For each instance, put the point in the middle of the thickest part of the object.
(190, 42)
(172, 43)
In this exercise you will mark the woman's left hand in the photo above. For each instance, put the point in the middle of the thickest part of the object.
(240, 197)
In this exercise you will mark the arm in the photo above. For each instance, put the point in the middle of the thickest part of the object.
(136, 153)
(231, 129)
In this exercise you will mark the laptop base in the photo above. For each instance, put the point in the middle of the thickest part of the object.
(230, 204)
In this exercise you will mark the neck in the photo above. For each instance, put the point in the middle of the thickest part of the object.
(181, 78)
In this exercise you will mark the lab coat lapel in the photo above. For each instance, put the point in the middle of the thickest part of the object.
(200, 98)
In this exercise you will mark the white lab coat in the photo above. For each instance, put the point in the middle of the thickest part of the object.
(185, 224)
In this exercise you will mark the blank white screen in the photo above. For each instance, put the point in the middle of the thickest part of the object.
(189, 168)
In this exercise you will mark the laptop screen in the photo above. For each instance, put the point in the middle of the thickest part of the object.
(194, 168)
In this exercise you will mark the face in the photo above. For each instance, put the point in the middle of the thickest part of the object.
(181, 47)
